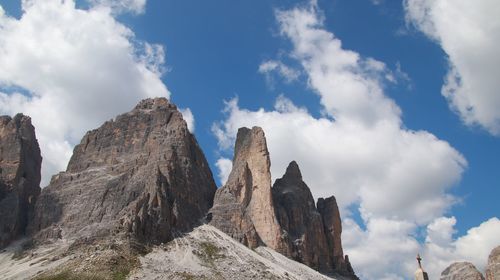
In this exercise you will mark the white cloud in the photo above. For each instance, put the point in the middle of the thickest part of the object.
(386, 249)
(224, 165)
(288, 73)
(359, 150)
(469, 33)
(384, 168)
(441, 249)
(363, 154)
(75, 69)
(121, 6)
(188, 116)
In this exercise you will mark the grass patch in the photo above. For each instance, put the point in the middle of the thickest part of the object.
(120, 274)
(66, 274)
(210, 251)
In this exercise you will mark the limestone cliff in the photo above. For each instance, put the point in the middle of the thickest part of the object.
(141, 175)
(243, 207)
(20, 163)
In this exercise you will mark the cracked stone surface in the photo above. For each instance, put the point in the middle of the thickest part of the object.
(20, 163)
(141, 175)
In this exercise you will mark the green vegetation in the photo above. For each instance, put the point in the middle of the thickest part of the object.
(68, 274)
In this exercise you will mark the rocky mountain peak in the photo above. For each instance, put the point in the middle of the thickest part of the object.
(20, 163)
(293, 172)
(154, 104)
(141, 175)
(461, 271)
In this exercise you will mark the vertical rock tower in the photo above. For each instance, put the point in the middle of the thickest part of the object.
(20, 163)
(312, 233)
(141, 175)
(243, 207)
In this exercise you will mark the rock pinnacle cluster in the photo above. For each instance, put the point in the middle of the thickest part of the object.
(284, 216)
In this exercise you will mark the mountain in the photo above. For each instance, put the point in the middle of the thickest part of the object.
(20, 163)
(283, 217)
(141, 175)
(135, 199)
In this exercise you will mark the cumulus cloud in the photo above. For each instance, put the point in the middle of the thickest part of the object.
(121, 6)
(358, 150)
(469, 33)
(188, 116)
(441, 249)
(270, 66)
(383, 167)
(224, 165)
(386, 249)
(70, 70)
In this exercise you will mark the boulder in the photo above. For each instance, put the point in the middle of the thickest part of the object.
(493, 267)
(461, 271)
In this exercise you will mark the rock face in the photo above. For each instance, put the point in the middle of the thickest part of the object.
(332, 224)
(243, 207)
(461, 271)
(142, 175)
(298, 217)
(284, 217)
(313, 234)
(493, 267)
(20, 163)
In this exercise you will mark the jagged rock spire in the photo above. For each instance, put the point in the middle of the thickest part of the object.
(243, 207)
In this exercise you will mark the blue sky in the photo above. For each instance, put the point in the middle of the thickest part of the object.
(213, 51)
